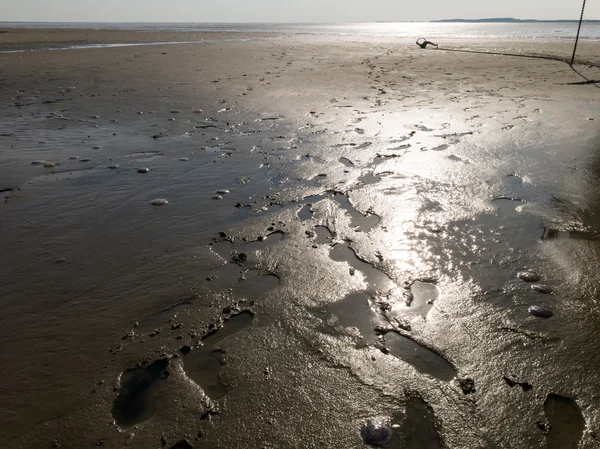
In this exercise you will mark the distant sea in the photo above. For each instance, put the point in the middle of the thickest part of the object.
(535, 30)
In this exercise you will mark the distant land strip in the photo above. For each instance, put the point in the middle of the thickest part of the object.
(509, 20)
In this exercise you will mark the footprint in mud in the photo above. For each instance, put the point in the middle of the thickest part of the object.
(376, 279)
(362, 223)
(138, 388)
(203, 364)
(566, 423)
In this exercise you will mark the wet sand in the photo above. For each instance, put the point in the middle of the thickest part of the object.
(336, 262)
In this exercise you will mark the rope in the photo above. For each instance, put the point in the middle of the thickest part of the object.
(578, 30)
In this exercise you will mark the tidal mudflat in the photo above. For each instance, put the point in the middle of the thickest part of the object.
(297, 241)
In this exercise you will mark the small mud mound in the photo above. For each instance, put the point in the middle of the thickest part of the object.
(203, 364)
(566, 422)
(137, 393)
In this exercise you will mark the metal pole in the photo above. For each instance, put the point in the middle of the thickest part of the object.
(578, 30)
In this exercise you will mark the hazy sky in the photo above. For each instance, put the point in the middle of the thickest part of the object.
(287, 10)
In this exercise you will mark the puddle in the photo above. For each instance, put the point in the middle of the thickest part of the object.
(369, 179)
(508, 206)
(515, 180)
(376, 279)
(355, 311)
(421, 358)
(419, 302)
(137, 393)
(324, 235)
(305, 212)
(203, 364)
(362, 223)
(347, 162)
(566, 422)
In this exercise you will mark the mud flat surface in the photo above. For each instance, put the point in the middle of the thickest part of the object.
(297, 242)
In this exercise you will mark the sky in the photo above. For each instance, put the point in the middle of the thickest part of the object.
(330, 11)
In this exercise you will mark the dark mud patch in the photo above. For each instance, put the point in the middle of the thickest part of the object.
(361, 222)
(375, 278)
(566, 423)
(420, 357)
(203, 364)
(137, 393)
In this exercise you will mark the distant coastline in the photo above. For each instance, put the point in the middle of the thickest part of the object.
(508, 20)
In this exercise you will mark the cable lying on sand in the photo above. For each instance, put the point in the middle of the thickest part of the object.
(422, 42)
